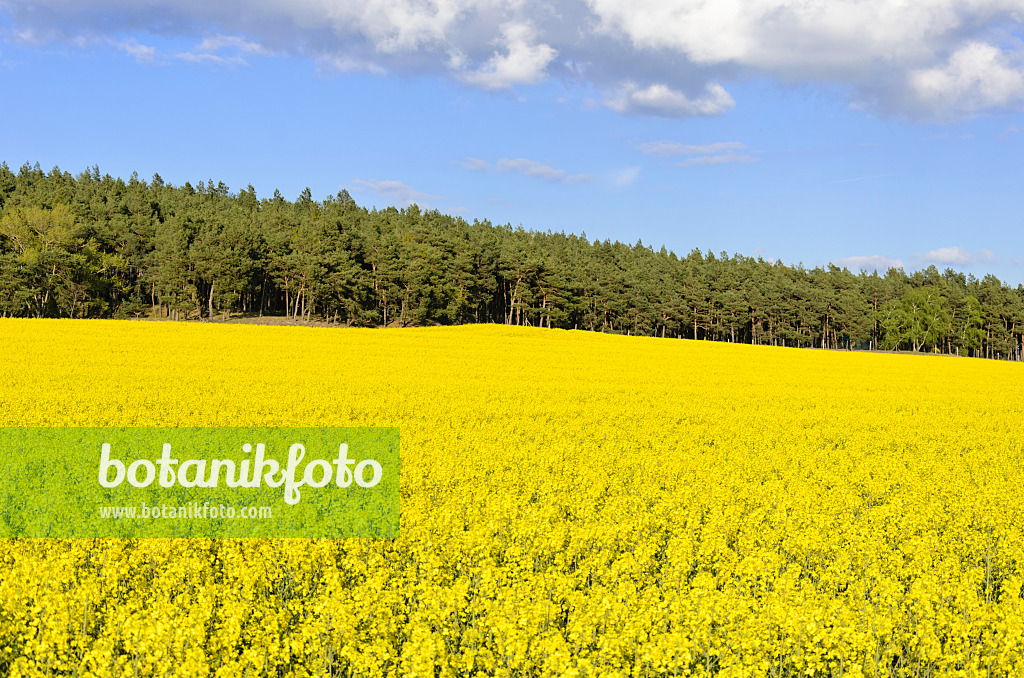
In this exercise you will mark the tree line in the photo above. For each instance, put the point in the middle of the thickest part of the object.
(92, 246)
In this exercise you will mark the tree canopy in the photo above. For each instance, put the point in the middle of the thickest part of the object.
(91, 246)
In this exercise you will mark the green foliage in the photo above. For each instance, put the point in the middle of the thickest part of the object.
(920, 318)
(95, 246)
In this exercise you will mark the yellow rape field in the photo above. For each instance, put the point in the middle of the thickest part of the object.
(573, 504)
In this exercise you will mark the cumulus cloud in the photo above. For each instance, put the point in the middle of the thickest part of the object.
(661, 100)
(523, 63)
(873, 262)
(530, 168)
(955, 256)
(404, 194)
(935, 59)
(976, 77)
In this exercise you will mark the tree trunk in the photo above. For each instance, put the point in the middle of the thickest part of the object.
(287, 298)
(512, 301)
(263, 294)
(210, 300)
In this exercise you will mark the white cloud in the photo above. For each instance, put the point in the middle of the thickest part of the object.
(955, 256)
(530, 168)
(661, 100)
(139, 52)
(935, 59)
(976, 77)
(873, 262)
(396, 190)
(198, 58)
(942, 49)
(673, 148)
(524, 62)
(345, 64)
(724, 158)
(208, 50)
(475, 164)
(392, 27)
(625, 176)
(213, 43)
(718, 153)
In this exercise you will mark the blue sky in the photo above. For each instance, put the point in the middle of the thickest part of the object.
(868, 133)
